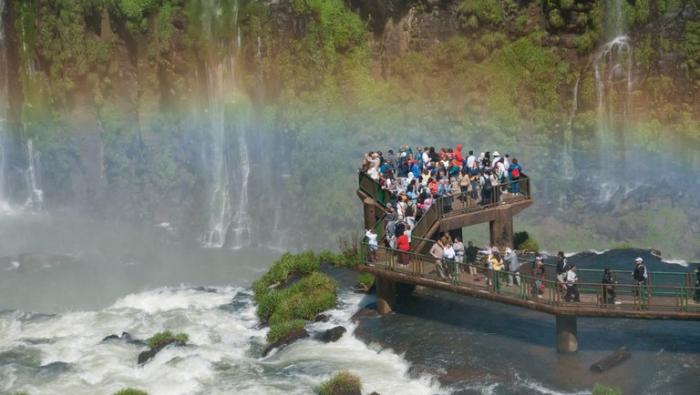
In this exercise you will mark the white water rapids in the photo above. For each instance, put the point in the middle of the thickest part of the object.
(62, 354)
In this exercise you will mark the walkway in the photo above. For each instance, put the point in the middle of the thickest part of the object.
(673, 300)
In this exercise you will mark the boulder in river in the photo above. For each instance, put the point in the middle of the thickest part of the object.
(290, 338)
(124, 337)
(333, 334)
(621, 355)
(158, 342)
(321, 318)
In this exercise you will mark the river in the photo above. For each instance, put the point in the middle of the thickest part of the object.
(66, 283)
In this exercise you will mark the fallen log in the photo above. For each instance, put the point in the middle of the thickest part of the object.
(621, 355)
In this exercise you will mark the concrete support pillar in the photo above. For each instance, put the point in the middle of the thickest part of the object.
(370, 213)
(501, 229)
(386, 295)
(567, 340)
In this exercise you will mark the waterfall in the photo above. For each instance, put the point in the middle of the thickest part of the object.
(5, 207)
(35, 198)
(229, 169)
(568, 160)
(241, 221)
(612, 66)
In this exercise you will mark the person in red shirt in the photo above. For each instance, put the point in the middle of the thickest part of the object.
(458, 155)
(404, 246)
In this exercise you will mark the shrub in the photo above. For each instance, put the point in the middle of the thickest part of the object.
(304, 263)
(488, 11)
(365, 279)
(523, 241)
(305, 299)
(163, 338)
(130, 391)
(342, 383)
(601, 389)
(282, 329)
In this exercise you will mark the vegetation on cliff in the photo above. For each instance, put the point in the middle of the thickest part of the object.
(125, 83)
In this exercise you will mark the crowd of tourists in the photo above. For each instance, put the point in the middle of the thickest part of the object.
(417, 177)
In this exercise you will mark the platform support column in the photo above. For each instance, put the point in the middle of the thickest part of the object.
(386, 295)
(501, 229)
(567, 340)
(370, 213)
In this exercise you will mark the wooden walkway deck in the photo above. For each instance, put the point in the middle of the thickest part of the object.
(517, 289)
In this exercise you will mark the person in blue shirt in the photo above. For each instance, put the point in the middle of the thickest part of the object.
(515, 171)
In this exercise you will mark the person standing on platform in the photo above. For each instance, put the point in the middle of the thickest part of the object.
(470, 254)
(404, 246)
(571, 285)
(373, 245)
(640, 277)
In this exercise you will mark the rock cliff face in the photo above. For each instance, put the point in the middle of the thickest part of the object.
(146, 108)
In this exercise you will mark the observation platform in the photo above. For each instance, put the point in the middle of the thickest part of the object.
(667, 296)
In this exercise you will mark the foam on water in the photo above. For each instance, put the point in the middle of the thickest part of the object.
(680, 262)
(223, 355)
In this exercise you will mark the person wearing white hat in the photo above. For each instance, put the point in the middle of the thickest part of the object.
(640, 276)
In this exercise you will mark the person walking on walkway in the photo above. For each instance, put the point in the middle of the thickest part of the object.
(373, 245)
(609, 282)
(459, 254)
(562, 268)
(470, 254)
(436, 251)
(571, 285)
(448, 259)
(404, 246)
(513, 265)
(640, 277)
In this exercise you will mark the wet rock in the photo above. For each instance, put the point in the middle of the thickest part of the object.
(321, 318)
(124, 337)
(147, 355)
(55, 368)
(368, 311)
(333, 334)
(287, 340)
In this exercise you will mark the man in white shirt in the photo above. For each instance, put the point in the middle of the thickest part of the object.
(373, 244)
(470, 159)
(571, 286)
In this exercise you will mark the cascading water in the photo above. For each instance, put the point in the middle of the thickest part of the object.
(4, 201)
(568, 160)
(35, 198)
(227, 227)
(612, 67)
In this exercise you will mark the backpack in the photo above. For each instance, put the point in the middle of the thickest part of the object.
(516, 172)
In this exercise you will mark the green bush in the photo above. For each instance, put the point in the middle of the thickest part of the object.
(130, 391)
(166, 337)
(488, 11)
(601, 389)
(301, 264)
(282, 329)
(305, 299)
(365, 279)
(342, 383)
(523, 241)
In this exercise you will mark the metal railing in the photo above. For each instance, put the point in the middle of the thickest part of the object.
(542, 289)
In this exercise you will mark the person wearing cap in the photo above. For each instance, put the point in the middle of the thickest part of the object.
(470, 254)
(640, 276)
(562, 268)
(609, 282)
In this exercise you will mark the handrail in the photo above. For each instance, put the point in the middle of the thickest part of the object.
(539, 289)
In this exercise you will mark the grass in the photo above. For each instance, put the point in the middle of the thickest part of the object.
(601, 389)
(282, 329)
(342, 383)
(165, 338)
(286, 309)
(130, 391)
(305, 299)
(365, 279)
